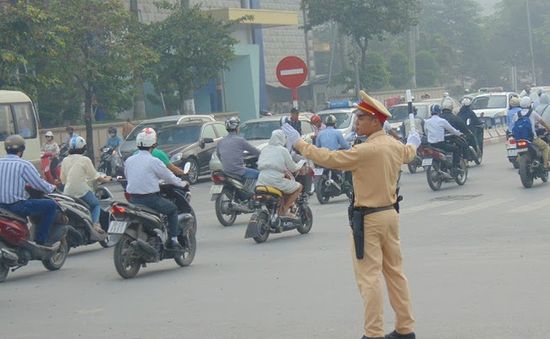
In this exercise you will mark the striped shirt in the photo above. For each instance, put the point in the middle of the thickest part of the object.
(15, 173)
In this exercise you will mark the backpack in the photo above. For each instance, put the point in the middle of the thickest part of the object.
(523, 129)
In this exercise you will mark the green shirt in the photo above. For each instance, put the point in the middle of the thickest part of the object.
(162, 156)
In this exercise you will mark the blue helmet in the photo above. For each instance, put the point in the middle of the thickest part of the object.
(436, 109)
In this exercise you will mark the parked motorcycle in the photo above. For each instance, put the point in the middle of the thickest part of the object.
(142, 233)
(111, 162)
(331, 183)
(511, 149)
(17, 247)
(439, 168)
(266, 220)
(531, 164)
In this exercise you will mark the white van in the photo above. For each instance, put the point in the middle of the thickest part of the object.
(17, 116)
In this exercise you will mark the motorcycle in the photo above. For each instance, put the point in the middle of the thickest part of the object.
(332, 183)
(417, 160)
(52, 175)
(531, 164)
(141, 232)
(511, 149)
(111, 162)
(439, 167)
(17, 247)
(266, 220)
(477, 152)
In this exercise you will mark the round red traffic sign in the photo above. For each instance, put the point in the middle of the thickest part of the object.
(292, 72)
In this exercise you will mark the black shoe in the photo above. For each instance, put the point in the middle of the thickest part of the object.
(395, 335)
(173, 245)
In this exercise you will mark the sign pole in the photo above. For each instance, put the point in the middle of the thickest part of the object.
(409, 97)
(295, 97)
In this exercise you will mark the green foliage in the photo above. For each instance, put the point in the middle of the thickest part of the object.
(377, 75)
(427, 69)
(193, 49)
(400, 70)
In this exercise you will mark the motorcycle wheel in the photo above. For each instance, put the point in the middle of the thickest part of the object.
(193, 174)
(57, 259)
(307, 220)
(224, 219)
(524, 172)
(461, 179)
(320, 192)
(412, 167)
(544, 176)
(189, 243)
(4, 270)
(515, 163)
(263, 224)
(479, 158)
(434, 181)
(126, 266)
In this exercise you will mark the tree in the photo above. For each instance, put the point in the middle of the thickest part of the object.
(100, 54)
(377, 76)
(400, 70)
(363, 20)
(193, 49)
(427, 69)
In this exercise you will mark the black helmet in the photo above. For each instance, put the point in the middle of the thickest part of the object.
(14, 143)
(330, 120)
(436, 109)
(111, 130)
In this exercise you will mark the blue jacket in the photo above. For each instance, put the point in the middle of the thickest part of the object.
(510, 117)
(332, 139)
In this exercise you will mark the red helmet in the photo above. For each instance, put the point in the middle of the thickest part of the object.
(315, 119)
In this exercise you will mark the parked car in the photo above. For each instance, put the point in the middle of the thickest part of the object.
(492, 108)
(193, 142)
(128, 146)
(258, 131)
(345, 119)
(401, 112)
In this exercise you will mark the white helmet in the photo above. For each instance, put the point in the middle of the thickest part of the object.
(514, 101)
(447, 104)
(146, 138)
(232, 123)
(466, 101)
(525, 102)
(49, 134)
(77, 142)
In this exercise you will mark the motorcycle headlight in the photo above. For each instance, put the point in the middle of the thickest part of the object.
(176, 157)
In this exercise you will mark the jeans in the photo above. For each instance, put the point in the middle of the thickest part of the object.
(250, 173)
(162, 205)
(45, 209)
(92, 201)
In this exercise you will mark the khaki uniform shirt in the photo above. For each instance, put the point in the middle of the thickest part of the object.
(375, 166)
(76, 171)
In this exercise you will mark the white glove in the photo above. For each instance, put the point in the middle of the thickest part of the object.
(292, 135)
(414, 139)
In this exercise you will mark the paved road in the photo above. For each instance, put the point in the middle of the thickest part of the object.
(477, 258)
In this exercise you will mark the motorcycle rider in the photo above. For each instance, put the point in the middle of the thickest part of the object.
(330, 137)
(543, 103)
(295, 120)
(318, 126)
(466, 112)
(435, 128)
(143, 172)
(526, 104)
(512, 112)
(114, 140)
(76, 171)
(15, 173)
(230, 151)
(71, 133)
(457, 123)
(276, 167)
(50, 146)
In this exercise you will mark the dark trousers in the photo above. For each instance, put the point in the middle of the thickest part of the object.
(451, 148)
(162, 205)
(44, 209)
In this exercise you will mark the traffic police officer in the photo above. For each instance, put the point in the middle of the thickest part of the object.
(375, 166)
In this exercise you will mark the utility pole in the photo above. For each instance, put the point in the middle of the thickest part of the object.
(534, 75)
(139, 97)
(412, 54)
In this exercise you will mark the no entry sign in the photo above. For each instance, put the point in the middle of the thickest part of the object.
(292, 72)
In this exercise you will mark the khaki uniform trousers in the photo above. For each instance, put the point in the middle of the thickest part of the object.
(383, 256)
(544, 148)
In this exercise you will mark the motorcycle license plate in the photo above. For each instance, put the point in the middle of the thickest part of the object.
(512, 152)
(318, 171)
(427, 162)
(216, 189)
(117, 227)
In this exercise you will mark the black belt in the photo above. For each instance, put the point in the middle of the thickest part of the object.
(371, 210)
(133, 195)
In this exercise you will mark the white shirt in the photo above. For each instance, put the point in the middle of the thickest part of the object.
(435, 128)
(76, 171)
(534, 117)
(143, 172)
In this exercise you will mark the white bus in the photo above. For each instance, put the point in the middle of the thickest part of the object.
(17, 116)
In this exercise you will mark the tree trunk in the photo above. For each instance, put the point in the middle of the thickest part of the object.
(139, 99)
(88, 123)
(187, 103)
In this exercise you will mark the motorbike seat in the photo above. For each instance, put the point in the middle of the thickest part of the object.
(138, 207)
(9, 215)
(82, 202)
(234, 176)
(269, 190)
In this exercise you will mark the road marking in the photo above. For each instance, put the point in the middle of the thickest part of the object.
(426, 206)
(477, 206)
(530, 207)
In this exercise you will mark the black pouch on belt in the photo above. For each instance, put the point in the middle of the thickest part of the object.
(357, 225)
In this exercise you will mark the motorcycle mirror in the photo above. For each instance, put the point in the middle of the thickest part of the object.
(186, 167)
